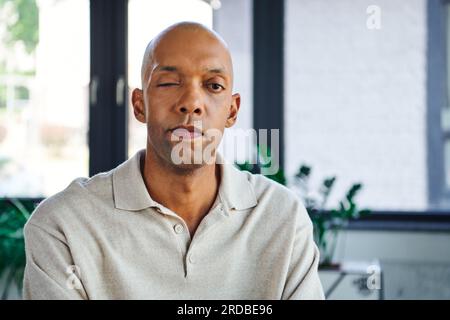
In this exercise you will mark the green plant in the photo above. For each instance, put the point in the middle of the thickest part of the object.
(24, 26)
(327, 223)
(13, 216)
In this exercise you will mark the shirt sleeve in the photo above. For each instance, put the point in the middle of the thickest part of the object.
(303, 278)
(50, 273)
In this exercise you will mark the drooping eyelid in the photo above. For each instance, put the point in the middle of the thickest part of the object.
(166, 78)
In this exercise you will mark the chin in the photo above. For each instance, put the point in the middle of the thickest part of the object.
(189, 156)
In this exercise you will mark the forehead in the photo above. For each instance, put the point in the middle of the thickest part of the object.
(192, 52)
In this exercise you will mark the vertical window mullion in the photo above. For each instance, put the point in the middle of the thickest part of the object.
(268, 68)
(108, 97)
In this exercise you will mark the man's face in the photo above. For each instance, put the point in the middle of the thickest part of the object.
(187, 93)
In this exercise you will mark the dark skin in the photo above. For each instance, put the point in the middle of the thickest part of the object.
(187, 76)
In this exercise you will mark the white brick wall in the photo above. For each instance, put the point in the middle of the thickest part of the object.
(355, 98)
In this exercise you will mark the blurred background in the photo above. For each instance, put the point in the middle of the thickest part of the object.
(358, 89)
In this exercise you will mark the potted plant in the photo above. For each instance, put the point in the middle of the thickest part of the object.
(327, 223)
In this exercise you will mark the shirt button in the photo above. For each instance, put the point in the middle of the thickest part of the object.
(178, 228)
(192, 259)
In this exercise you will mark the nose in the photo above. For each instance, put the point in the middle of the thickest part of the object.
(191, 102)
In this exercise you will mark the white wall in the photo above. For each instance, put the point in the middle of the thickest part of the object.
(355, 98)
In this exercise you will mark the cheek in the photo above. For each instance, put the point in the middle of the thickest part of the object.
(219, 103)
(221, 109)
(158, 107)
(219, 119)
(165, 99)
(156, 118)
(160, 98)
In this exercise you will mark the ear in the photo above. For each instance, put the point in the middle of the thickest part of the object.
(234, 109)
(137, 99)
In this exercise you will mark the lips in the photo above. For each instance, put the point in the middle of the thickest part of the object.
(186, 132)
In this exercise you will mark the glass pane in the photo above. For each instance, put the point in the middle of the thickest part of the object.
(445, 118)
(233, 21)
(44, 76)
(146, 18)
(354, 99)
(447, 163)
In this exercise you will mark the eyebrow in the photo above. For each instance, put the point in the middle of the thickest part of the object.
(166, 68)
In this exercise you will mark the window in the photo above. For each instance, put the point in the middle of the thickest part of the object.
(356, 99)
(146, 18)
(44, 77)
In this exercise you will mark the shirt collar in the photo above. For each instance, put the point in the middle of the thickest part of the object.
(130, 192)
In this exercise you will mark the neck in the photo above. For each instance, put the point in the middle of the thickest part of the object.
(189, 193)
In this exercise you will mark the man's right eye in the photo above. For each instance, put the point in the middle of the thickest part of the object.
(167, 84)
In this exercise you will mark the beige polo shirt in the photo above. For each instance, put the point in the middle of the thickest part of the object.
(105, 238)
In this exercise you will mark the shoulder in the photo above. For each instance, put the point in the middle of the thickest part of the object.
(265, 187)
(277, 202)
(82, 195)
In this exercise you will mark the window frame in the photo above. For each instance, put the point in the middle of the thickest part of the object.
(435, 219)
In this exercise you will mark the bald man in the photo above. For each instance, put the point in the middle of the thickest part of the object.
(168, 224)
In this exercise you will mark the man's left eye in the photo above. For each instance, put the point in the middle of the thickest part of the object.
(215, 86)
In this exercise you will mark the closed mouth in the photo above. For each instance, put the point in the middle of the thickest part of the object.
(186, 132)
